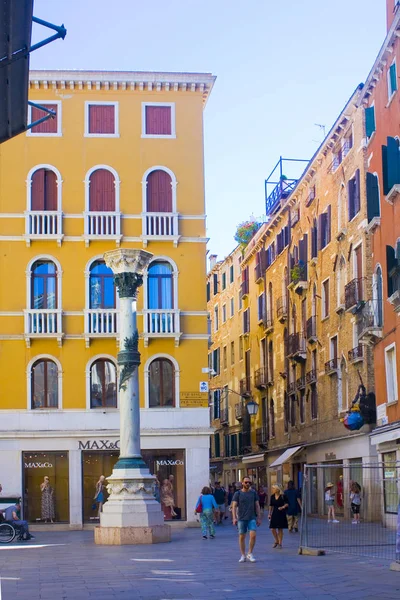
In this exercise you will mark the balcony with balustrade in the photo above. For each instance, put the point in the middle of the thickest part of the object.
(160, 227)
(291, 388)
(43, 324)
(224, 415)
(311, 377)
(299, 278)
(102, 225)
(354, 293)
(281, 309)
(239, 410)
(262, 436)
(311, 330)
(297, 347)
(245, 387)
(268, 322)
(101, 323)
(261, 378)
(301, 382)
(161, 323)
(43, 225)
(356, 354)
(370, 323)
(332, 366)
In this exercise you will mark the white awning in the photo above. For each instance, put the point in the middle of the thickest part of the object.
(254, 458)
(285, 456)
(387, 436)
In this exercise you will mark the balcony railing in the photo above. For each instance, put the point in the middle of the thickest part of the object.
(370, 321)
(258, 275)
(42, 323)
(101, 321)
(301, 382)
(281, 309)
(43, 224)
(332, 366)
(281, 191)
(356, 354)
(311, 376)
(353, 293)
(262, 436)
(311, 329)
(160, 226)
(161, 323)
(102, 224)
(268, 320)
(260, 378)
(245, 288)
(239, 410)
(291, 388)
(297, 346)
(224, 415)
(245, 386)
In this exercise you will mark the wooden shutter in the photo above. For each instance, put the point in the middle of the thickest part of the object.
(159, 192)
(369, 121)
(390, 265)
(158, 120)
(357, 192)
(350, 195)
(101, 118)
(215, 283)
(102, 191)
(319, 233)
(393, 163)
(393, 78)
(48, 126)
(373, 208)
(328, 222)
(50, 190)
(208, 292)
(37, 190)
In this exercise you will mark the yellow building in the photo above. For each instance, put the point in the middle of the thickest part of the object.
(121, 164)
(308, 321)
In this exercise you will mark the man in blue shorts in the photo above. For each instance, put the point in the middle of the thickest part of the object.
(247, 515)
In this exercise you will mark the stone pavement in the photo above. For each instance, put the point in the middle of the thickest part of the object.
(187, 568)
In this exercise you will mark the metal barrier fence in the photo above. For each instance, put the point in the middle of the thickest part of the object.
(352, 508)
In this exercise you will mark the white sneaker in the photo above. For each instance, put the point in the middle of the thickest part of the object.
(354, 522)
(242, 558)
(335, 521)
(329, 521)
(250, 557)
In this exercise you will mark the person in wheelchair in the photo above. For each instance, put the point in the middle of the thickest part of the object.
(11, 515)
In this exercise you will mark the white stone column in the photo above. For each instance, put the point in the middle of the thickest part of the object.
(75, 489)
(131, 514)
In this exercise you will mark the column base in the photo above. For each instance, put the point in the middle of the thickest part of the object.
(121, 536)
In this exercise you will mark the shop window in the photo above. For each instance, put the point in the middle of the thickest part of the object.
(161, 383)
(101, 286)
(390, 475)
(51, 503)
(44, 384)
(101, 119)
(103, 384)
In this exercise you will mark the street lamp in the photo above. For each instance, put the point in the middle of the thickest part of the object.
(131, 514)
(252, 407)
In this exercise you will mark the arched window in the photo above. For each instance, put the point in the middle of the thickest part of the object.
(44, 384)
(44, 190)
(160, 293)
(161, 383)
(44, 285)
(101, 191)
(103, 384)
(159, 192)
(378, 297)
(101, 286)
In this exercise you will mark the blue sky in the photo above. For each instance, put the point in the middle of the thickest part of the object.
(282, 66)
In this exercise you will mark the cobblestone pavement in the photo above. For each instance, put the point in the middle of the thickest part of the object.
(69, 566)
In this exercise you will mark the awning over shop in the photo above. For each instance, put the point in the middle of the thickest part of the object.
(254, 458)
(386, 436)
(285, 456)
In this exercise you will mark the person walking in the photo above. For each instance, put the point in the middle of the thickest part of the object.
(220, 498)
(262, 496)
(330, 503)
(246, 515)
(294, 509)
(205, 507)
(278, 505)
(355, 502)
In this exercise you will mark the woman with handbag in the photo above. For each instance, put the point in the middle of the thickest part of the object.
(205, 507)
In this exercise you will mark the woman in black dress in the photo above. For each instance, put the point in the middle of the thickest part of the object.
(278, 505)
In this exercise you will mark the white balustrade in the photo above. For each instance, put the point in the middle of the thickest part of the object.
(102, 223)
(160, 224)
(161, 322)
(101, 321)
(43, 223)
(43, 321)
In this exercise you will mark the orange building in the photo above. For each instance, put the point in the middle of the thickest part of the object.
(380, 99)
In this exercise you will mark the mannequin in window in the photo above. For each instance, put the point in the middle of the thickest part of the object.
(47, 505)
(167, 499)
(339, 492)
(99, 495)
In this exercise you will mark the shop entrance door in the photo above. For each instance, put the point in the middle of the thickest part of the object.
(52, 502)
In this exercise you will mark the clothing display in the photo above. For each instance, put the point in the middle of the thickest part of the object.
(167, 499)
(278, 517)
(47, 504)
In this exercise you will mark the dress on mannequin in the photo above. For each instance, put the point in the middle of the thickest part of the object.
(47, 505)
(167, 499)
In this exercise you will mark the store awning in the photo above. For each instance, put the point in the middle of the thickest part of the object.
(285, 456)
(254, 458)
(387, 436)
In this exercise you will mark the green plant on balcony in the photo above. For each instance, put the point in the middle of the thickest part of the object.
(245, 231)
(296, 273)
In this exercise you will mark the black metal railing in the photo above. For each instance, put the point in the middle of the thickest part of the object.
(260, 378)
(311, 328)
(353, 292)
(370, 320)
(355, 353)
(262, 436)
(331, 366)
(281, 191)
(245, 386)
(281, 308)
(296, 344)
(301, 382)
(311, 376)
(268, 319)
(291, 388)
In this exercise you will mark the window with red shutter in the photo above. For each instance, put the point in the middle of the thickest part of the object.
(158, 120)
(102, 191)
(44, 190)
(101, 119)
(49, 126)
(159, 192)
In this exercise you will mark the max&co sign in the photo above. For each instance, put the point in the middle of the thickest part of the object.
(38, 465)
(98, 445)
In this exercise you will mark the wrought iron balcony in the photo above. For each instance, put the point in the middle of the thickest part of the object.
(299, 277)
(245, 288)
(258, 274)
(245, 386)
(260, 378)
(239, 411)
(356, 354)
(301, 382)
(311, 328)
(262, 436)
(354, 293)
(281, 309)
(297, 347)
(332, 366)
(268, 321)
(291, 388)
(370, 322)
(160, 226)
(224, 415)
(311, 376)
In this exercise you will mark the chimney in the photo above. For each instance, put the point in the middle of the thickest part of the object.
(391, 8)
(213, 261)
